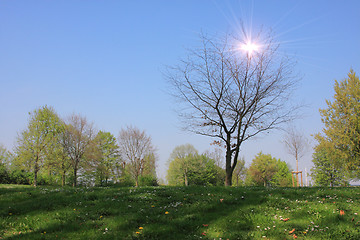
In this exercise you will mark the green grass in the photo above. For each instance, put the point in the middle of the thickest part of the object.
(178, 213)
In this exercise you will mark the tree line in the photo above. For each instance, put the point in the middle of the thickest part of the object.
(70, 151)
(188, 167)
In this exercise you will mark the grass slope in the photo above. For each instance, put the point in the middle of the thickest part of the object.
(179, 213)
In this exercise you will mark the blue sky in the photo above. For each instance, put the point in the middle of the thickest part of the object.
(104, 60)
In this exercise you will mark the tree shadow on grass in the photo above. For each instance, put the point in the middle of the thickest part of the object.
(125, 213)
(165, 213)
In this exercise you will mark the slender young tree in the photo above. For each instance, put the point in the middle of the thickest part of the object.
(296, 144)
(231, 91)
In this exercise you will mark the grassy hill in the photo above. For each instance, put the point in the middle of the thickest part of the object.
(179, 213)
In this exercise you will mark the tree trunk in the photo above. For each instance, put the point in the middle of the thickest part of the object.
(228, 178)
(186, 180)
(36, 169)
(228, 169)
(136, 182)
(297, 170)
(63, 178)
(35, 178)
(75, 177)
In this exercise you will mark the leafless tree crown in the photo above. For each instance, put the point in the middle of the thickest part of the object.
(232, 96)
(136, 148)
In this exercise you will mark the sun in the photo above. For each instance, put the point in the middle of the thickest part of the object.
(250, 47)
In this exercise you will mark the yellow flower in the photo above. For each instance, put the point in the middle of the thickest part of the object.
(137, 232)
(152, 206)
(141, 228)
(166, 212)
(101, 216)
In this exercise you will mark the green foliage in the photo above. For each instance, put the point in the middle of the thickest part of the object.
(21, 177)
(268, 171)
(193, 169)
(105, 155)
(35, 144)
(148, 180)
(282, 178)
(341, 134)
(324, 172)
(4, 174)
(203, 171)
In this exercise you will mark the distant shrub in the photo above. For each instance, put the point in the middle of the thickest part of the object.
(148, 180)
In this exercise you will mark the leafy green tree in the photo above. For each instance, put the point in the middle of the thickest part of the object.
(5, 156)
(107, 156)
(341, 134)
(36, 143)
(268, 171)
(195, 170)
(324, 172)
(179, 164)
(201, 171)
(282, 178)
(4, 160)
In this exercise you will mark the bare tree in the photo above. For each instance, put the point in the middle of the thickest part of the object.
(240, 170)
(232, 97)
(217, 155)
(78, 136)
(296, 144)
(136, 148)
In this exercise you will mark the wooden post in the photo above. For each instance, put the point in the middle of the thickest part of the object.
(297, 178)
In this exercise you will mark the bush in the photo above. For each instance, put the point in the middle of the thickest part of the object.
(4, 174)
(148, 180)
(21, 177)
